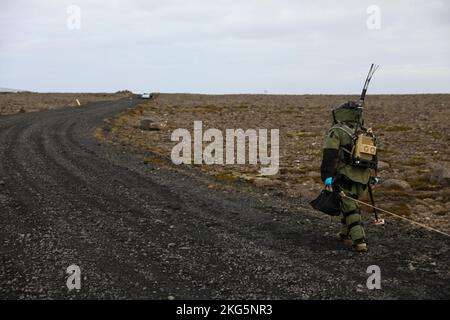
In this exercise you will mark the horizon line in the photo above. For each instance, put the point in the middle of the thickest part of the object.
(225, 93)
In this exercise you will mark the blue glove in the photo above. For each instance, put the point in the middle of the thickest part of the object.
(328, 181)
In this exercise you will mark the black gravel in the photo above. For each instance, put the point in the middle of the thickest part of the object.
(140, 231)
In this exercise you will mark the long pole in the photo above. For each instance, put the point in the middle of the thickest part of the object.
(375, 212)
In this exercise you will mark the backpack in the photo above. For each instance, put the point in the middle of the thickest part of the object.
(362, 152)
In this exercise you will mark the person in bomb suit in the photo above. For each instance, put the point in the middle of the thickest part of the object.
(338, 172)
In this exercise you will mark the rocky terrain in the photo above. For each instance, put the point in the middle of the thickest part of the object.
(412, 130)
(137, 229)
(20, 102)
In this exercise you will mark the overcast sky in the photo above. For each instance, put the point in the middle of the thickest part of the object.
(225, 46)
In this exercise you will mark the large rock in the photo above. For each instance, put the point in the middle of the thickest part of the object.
(439, 210)
(440, 176)
(145, 123)
(383, 165)
(396, 184)
(148, 124)
(420, 209)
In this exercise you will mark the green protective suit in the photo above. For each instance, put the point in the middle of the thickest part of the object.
(349, 179)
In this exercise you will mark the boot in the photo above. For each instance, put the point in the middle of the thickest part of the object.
(343, 234)
(360, 247)
(345, 239)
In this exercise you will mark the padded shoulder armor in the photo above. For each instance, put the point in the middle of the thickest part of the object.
(344, 128)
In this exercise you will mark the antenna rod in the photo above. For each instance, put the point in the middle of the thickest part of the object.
(372, 70)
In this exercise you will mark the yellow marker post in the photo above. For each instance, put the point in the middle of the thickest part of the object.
(78, 102)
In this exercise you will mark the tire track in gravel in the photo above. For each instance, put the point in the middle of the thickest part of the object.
(139, 231)
(93, 166)
(68, 176)
(99, 221)
(31, 205)
(213, 216)
(92, 208)
(32, 220)
(14, 260)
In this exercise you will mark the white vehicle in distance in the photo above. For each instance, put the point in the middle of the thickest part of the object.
(146, 96)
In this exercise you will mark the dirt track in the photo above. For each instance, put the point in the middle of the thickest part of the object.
(139, 231)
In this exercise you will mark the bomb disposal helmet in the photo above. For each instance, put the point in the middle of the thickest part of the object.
(349, 112)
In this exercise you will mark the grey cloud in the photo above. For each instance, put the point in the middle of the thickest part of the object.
(224, 46)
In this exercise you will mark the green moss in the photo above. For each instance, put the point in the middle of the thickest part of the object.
(401, 209)
(208, 108)
(395, 128)
(391, 193)
(414, 162)
(156, 160)
(226, 177)
(201, 109)
(423, 184)
(304, 134)
(307, 169)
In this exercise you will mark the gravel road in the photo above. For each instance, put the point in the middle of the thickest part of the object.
(144, 232)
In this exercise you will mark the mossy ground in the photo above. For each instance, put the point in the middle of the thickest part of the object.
(410, 140)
